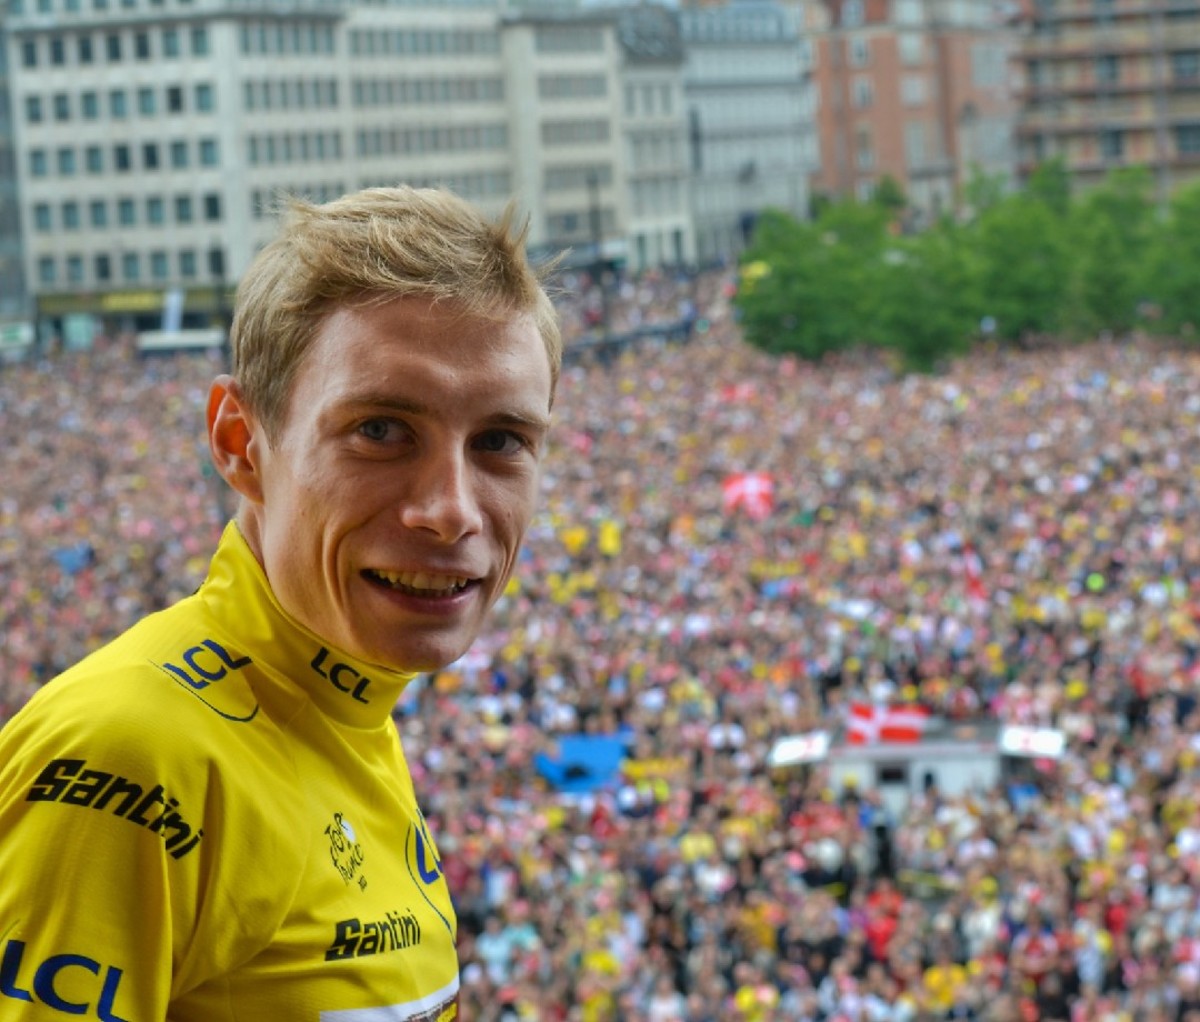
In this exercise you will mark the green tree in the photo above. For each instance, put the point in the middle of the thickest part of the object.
(1112, 228)
(1050, 183)
(1024, 265)
(1173, 278)
(807, 288)
(928, 307)
(983, 191)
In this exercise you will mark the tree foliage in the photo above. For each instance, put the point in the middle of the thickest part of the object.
(1034, 261)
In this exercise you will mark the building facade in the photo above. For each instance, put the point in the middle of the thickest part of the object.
(153, 141)
(1112, 83)
(751, 127)
(654, 138)
(920, 91)
(14, 298)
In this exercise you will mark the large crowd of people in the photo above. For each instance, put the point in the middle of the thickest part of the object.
(1012, 538)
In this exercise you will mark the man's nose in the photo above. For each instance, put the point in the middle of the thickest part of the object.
(441, 498)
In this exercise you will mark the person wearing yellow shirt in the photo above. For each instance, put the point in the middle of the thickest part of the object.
(943, 982)
(211, 818)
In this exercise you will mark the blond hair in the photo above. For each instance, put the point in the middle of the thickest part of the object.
(372, 246)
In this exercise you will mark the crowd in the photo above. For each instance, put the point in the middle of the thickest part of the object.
(1010, 538)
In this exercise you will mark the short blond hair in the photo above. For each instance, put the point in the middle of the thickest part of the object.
(369, 246)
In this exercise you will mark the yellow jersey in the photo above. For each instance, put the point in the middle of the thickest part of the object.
(211, 819)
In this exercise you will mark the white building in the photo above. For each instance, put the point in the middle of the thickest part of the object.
(153, 139)
(751, 118)
(654, 138)
(13, 297)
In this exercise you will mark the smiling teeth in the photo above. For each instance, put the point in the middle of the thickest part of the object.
(420, 582)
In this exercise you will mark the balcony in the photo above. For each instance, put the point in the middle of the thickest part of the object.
(1065, 12)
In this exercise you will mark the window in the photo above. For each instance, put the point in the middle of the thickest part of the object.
(58, 51)
(204, 98)
(860, 51)
(75, 269)
(914, 144)
(122, 161)
(141, 45)
(155, 210)
(33, 109)
(212, 206)
(42, 220)
(183, 209)
(85, 49)
(158, 265)
(126, 212)
(98, 213)
(864, 92)
(46, 270)
(39, 165)
(179, 154)
(175, 98)
(1107, 69)
(1185, 65)
(89, 106)
(112, 47)
(29, 55)
(913, 91)
(150, 155)
(118, 104)
(103, 267)
(199, 41)
(1112, 143)
(131, 266)
(170, 42)
(66, 161)
(208, 152)
(70, 216)
(187, 264)
(864, 151)
(852, 13)
(146, 97)
(216, 263)
(1187, 139)
(93, 159)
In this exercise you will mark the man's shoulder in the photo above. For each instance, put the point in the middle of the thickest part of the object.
(166, 685)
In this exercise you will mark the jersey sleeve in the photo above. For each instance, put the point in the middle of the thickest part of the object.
(120, 847)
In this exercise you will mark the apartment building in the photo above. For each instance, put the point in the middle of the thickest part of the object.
(1112, 83)
(752, 139)
(920, 91)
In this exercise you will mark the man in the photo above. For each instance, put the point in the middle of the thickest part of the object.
(211, 818)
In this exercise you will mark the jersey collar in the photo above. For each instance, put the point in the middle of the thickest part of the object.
(238, 594)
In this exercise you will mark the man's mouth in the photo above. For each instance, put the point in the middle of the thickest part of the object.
(419, 583)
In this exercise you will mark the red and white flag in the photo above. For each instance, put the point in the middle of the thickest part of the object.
(869, 723)
(973, 571)
(753, 492)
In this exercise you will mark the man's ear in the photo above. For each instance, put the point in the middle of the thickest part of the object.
(233, 438)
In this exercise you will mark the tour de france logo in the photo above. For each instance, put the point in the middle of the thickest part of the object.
(345, 851)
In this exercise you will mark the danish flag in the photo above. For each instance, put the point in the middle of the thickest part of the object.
(869, 723)
(753, 492)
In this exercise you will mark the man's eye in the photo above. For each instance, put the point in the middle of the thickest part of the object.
(501, 441)
(376, 429)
